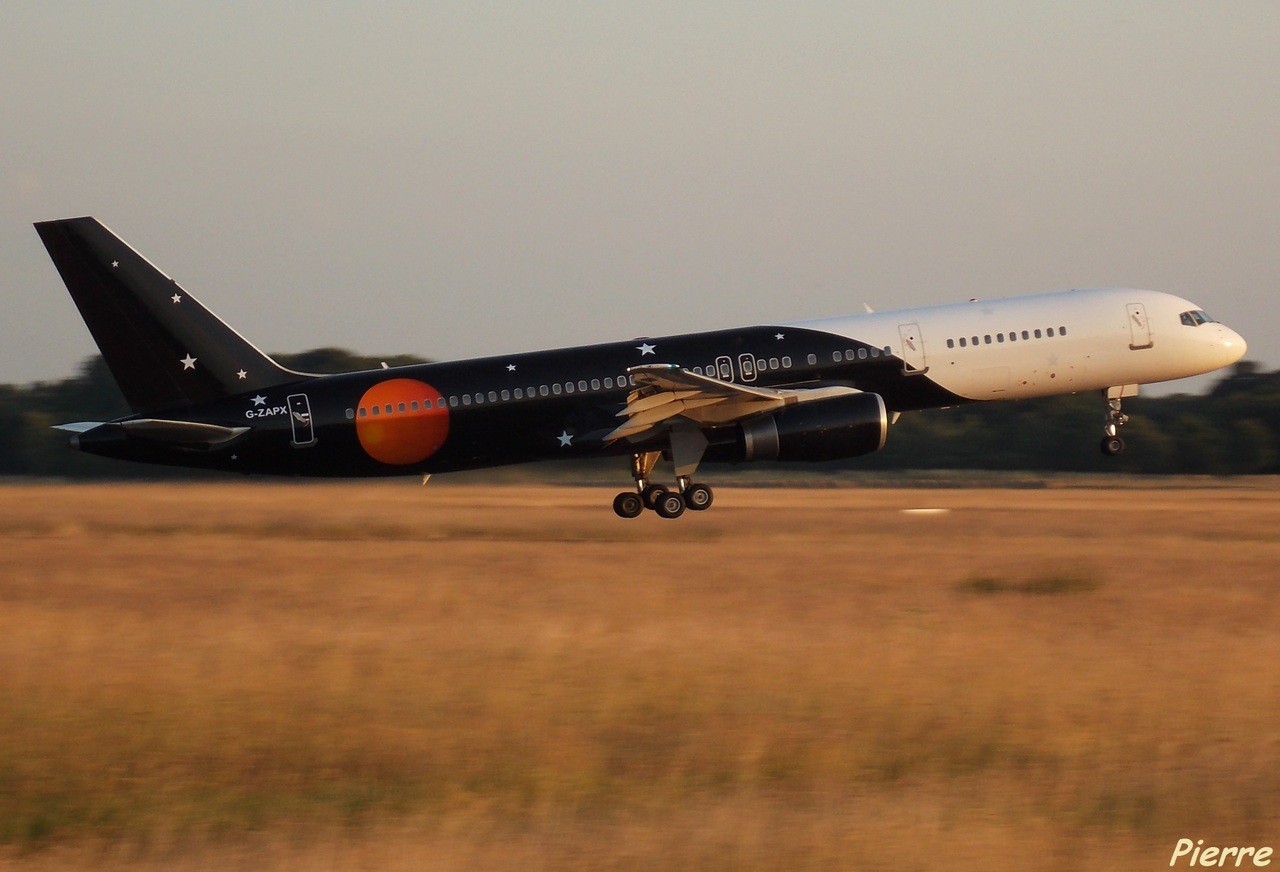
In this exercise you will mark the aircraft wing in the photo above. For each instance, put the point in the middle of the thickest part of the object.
(666, 392)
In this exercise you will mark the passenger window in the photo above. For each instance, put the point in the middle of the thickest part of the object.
(453, 402)
(963, 344)
(1062, 331)
(543, 390)
(608, 382)
(1037, 334)
(786, 363)
(813, 358)
(582, 385)
(351, 413)
(975, 340)
(388, 408)
(519, 393)
(835, 356)
(466, 399)
(951, 343)
(999, 337)
(773, 363)
(401, 407)
(1049, 332)
(440, 403)
(568, 387)
(1013, 337)
(364, 412)
(505, 395)
(1026, 335)
(377, 410)
(987, 339)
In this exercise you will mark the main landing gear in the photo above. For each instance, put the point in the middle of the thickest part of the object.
(1112, 443)
(687, 446)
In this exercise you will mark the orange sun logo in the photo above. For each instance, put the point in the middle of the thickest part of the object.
(400, 421)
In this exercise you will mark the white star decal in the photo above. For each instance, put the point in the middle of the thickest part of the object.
(645, 348)
(259, 400)
(242, 375)
(566, 439)
(188, 362)
(235, 457)
(114, 264)
(177, 298)
(511, 367)
(779, 336)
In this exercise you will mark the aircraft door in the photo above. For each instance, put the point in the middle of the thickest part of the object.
(724, 368)
(913, 362)
(747, 367)
(304, 433)
(1139, 327)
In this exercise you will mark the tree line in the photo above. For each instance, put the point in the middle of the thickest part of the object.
(1233, 429)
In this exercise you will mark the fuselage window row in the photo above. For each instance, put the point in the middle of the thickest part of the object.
(569, 387)
(1013, 336)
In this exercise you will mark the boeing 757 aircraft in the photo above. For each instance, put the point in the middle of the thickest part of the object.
(203, 396)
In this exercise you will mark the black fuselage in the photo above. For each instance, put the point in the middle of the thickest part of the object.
(517, 408)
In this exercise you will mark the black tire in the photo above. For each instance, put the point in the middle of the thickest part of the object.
(651, 494)
(670, 505)
(628, 504)
(1112, 446)
(698, 497)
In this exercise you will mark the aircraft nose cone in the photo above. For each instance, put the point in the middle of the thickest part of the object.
(1232, 345)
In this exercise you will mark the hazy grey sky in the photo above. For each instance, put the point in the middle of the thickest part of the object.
(463, 179)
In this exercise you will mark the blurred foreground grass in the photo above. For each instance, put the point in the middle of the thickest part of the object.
(378, 676)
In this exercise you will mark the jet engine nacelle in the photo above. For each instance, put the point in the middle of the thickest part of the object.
(824, 430)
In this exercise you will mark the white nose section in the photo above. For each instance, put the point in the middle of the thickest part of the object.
(1232, 346)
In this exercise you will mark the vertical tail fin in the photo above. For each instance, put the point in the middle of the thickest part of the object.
(164, 349)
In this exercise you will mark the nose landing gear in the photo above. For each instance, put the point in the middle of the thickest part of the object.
(1112, 443)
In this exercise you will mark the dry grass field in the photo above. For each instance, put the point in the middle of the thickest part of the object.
(384, 677)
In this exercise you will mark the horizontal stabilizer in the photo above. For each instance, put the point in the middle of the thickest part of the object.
(188, 435)
(191, 433)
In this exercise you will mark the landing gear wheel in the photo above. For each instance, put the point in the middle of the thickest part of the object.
(651, 494)
(628, 504)
(670, 505)
(1112, 445)
(698, 497)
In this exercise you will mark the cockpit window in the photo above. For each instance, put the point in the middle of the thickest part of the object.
(1196, 318)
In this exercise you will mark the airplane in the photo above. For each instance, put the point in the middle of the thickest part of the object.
(202, 396)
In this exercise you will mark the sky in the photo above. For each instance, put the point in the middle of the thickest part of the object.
(457, 180)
